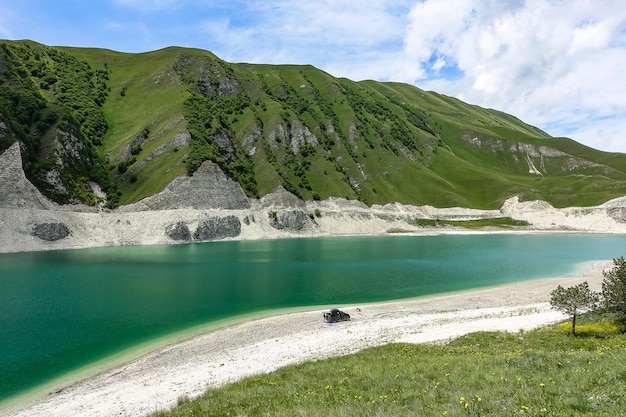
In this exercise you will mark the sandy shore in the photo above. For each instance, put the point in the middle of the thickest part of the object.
(156, 380)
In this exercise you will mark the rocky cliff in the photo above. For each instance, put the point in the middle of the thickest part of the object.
(207, 188)
(15, 190)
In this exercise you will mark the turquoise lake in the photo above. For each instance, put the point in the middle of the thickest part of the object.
(63, 310)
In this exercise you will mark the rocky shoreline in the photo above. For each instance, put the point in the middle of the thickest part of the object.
(209, 206)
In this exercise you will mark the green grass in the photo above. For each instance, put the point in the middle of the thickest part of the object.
(376, 142)
(537, 373)
(499, 222)
(149, 179)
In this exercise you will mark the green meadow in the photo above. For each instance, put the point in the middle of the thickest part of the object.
(144, 119)
(543, 372)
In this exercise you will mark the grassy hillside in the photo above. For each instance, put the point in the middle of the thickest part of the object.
(51, 103)
(153, 116)
(538, 373)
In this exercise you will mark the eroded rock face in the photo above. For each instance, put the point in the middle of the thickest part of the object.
(533, 155)
(178, 231)
(15, 190)
(51, 231)
(225, 146)
(208, 188)
(216, 228)
(70, 150)
(283, 199)
(290, 220)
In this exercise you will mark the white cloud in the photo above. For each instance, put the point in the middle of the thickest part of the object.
(341, 22)
(544, 62)
(594, 35)
(324, 32)
(607, 135)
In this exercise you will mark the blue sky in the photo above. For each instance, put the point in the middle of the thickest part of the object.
(557, 64)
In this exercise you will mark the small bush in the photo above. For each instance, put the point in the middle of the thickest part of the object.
(136, 149)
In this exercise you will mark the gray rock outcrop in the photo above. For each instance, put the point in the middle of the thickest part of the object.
(283, 199)
(532, 155)
(179, 232)
(16, 190)
(51, 231)
(207, 188)
(290, 220)
(216, 228)
(225, 146)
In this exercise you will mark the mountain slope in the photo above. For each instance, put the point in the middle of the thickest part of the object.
(154, 116)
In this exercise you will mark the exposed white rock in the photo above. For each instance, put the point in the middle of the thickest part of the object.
(190, 201)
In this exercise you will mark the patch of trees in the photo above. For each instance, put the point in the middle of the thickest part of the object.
(21, 110)
(291, 99)
(389, 120)
(283, 172)
(325, 115)
(66, 81)
(299, 167)
(81, 89)
(580, 298)
(20, 103)
(209, 118)
(43, 88)
(414, 116)
(209, 77)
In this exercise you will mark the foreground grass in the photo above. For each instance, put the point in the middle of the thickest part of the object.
(538, 373)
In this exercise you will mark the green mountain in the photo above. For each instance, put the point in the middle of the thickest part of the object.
(133, 122)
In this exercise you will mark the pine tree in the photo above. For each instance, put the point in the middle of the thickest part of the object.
(573, 301)
(614, 291)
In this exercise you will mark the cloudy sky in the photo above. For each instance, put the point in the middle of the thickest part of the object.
(557, 64)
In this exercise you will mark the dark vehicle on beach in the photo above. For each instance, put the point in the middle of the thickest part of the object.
(335, 315)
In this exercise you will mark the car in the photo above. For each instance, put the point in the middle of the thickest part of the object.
(335, 315)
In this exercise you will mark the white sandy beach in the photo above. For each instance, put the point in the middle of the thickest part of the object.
(156, 380)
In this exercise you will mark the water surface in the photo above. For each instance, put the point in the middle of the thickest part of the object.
(62, 310)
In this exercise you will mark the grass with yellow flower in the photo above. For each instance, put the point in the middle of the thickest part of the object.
(538, 373)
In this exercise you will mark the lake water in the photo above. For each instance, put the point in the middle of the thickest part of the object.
(63, 310)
